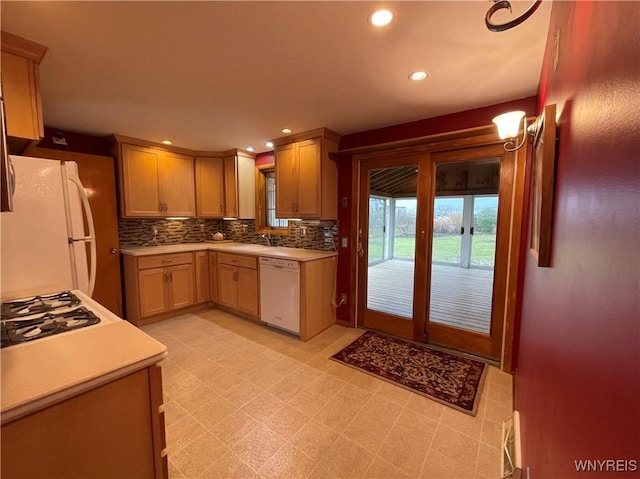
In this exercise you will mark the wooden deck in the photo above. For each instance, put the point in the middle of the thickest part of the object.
(460, 297)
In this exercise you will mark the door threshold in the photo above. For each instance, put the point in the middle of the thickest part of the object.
(460, 352)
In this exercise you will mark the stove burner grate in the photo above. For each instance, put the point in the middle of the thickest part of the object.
(22, 330)
(38, 304)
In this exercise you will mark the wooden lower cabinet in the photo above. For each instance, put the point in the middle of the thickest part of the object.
(248, 300)
(201, 259)
(151, 284)
(238, 282)
(181, 287)
(115, 430)
(213, 277)
(158, 284)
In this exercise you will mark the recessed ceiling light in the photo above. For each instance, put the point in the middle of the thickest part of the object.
(269, 144)
(381, 18)
(286, 131)
(417, 76)
(166, 142)
(250, 148)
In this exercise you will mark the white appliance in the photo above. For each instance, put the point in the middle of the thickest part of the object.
(280, 293)
(43, 244)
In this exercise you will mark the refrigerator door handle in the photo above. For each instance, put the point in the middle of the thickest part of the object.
(91, 239)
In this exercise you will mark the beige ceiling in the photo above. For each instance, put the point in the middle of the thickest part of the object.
(218, 75)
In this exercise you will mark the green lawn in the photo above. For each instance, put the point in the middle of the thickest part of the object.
(447, 249)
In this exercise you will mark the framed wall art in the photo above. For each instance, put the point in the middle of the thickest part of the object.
(543, 177)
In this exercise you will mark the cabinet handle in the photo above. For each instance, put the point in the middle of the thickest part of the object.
(160, 207)
(171, 277)
(167, 260)
(165, 277)
(221, 208)
(166, 208)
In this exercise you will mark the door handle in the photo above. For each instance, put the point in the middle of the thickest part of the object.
(471, 231)
(462, 230)
(360, 250)
(113, 251)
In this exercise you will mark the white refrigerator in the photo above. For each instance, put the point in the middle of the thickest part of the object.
(47, 243)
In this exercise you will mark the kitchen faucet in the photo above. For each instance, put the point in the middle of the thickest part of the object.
(267, 236)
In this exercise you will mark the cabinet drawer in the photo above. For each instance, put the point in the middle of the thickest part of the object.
(162, 260)
(238, 260)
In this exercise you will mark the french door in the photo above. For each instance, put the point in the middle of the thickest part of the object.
(389, 220)
(432, 246)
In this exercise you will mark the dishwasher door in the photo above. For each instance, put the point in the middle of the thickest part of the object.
(280, 293)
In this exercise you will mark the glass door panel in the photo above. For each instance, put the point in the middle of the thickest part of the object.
(485, 222)
(404, 230)
(387, 250)
(447, 227)
(377, 222)
(463, 253)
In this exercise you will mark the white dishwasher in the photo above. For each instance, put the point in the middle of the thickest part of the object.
(280, 293)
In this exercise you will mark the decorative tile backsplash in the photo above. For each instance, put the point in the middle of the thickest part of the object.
(318, 235)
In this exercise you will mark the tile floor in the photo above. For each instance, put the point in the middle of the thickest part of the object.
(246, 401)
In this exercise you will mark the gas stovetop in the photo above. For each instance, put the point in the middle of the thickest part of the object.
(43, 316)
(38, 304)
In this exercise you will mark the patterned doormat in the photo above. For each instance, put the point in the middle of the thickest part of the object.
(452, 380)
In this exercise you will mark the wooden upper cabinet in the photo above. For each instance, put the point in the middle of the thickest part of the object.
(176, 184)
(239, 184)
(230, 187)
(139, 178)
(286, 181)
(309, 198)
(306, 178)
(21, 86)
(155, 182)
(210, 187)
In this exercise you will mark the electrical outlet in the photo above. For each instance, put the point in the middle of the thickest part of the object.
(343, 298)
(344, 242)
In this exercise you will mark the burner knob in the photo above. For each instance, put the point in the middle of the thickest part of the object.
(113, 251)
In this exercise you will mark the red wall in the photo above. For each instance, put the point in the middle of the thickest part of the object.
(430, 126)
(267, 158)
(578, 367)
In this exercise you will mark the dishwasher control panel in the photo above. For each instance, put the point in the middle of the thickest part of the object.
(279, 263)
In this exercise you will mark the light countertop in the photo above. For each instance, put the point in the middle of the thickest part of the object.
(296, 254)
(40, 373)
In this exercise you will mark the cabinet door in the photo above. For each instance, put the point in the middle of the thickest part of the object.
(227, 286)
(202, 276)
(177, 184)
(213, 277)
(209, 187)
(230, 187)
(286, 182)
(181, 286)
(151, 286)
(22, 100)
(248, 290)
(140, 181)
(307, 154)
(105, 432)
